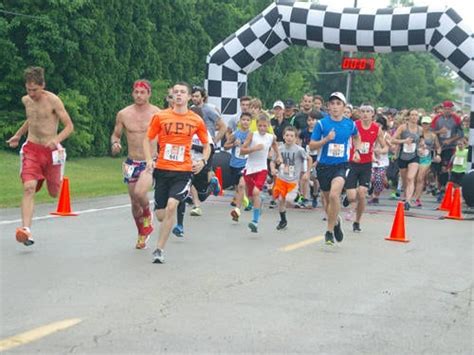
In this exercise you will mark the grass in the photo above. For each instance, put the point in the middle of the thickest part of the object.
(88, 177)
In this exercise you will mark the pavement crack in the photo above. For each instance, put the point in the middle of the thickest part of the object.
(96, 338)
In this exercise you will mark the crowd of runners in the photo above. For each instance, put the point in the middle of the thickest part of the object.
(324, 153)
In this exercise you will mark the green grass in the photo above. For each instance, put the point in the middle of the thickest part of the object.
(88, 177)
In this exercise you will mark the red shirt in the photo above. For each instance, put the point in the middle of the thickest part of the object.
(368, 138)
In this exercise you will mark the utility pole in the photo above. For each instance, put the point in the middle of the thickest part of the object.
(350, 74)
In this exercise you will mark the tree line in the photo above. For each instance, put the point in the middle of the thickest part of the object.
(93, 51)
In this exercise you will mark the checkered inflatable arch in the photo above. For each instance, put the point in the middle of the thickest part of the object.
(284, 23)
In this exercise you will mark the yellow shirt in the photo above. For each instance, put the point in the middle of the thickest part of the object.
(253, 126)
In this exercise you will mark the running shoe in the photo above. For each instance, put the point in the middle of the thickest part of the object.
(345, 201)
(196, 211)
(314, 202)
(349, 215)
(356, 227)
(235, 213)
(407, 206)
(215, 186)
(393, 196)
(282, 225)
(273, 204)
(301, 203)
(158, 256)
(338, 232)
(297, 198)
(329, 238)
(23, 235)
(440, 197)
(418, 203)
(253, 227)
(141, 241)
(147, 222)
(249, 207)
(178, 231)
(233, 203)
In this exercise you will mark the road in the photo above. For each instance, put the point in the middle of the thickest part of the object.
(226, 290)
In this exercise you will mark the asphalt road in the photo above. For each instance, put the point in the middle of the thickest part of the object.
(226, 290)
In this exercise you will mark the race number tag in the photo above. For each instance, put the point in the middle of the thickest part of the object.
(174, 152)
(336, 150)
(127, 170)
(458, 161)
(364, 148)
(238, 154)
(58, 156)
(409, 148)
(291, 171)
(446, 135)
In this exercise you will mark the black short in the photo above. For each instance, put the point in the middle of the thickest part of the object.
(456, 178)
(358, 175)
(328, 172)
(446, 156)
(235, 175)
(403, 164)
(170, 184)
(201, 181)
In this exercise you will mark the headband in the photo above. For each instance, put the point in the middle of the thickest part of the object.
(142, 84)
(366, 108)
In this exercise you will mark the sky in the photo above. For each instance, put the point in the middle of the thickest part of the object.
(465, 8)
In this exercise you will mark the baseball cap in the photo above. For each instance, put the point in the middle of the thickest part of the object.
(338, 95)
(448, 104)
(278, 103)
(289, 103)
(426, 119)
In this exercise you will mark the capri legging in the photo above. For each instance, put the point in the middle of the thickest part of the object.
(378, 179)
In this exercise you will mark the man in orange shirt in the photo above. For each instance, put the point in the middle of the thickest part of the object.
(174, 129)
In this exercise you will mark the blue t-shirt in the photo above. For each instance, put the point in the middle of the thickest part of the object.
(336, 151)
(236, 159)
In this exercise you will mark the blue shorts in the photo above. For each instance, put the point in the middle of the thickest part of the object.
(132, 169)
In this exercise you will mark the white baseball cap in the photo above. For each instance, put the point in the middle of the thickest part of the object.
(279, 103)
(338, 95)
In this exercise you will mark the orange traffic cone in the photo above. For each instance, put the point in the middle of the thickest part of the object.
(447, 199)
(64, 203)
(221, 182)
(398, 229)
(455, 211)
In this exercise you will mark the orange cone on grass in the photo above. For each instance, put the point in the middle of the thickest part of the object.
(447, 199)
(455, 211)
(219, 177)
(64, 203)
(398, 229)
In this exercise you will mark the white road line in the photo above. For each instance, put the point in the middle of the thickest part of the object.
(78, 212)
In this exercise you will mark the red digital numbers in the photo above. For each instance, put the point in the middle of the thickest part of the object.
(358, 63)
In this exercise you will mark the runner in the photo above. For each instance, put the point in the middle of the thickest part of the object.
(174, 129)
(331, 137)
(408, 136)
(380, 163)
(237, 162)
(294, 162)
(42, 156)
(134, 120)
(360, 171)
(257, 146)
(459, 163)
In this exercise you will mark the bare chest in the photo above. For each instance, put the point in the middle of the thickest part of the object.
(137, 123)
(40, 113)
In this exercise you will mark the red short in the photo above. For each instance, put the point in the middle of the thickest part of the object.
(255, 180)
(37, 164)
(282, 188)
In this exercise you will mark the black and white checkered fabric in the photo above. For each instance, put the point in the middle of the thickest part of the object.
(284, 23)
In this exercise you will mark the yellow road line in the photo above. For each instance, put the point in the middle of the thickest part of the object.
(35, 334)
(302, 243)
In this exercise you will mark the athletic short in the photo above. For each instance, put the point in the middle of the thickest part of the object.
(403, 164)
(132, 169)
(201, 181)
(170, 184)
(446, 156)
(425, 161)
(282, 188)
(255, 180)
(328, 172)
(37, 164)
(456, 178)
(235, 175)
(358, 175)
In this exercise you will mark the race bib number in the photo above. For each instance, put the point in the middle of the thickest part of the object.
(58, 156)
(458, 161)
(336, 150)
(288, 170)
(174, 152)
(365, 148)
(127, 170)
(409, 148)
(238, 154)
(446, 135)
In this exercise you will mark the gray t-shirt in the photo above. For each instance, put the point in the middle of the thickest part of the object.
(211, 115)
(454, 129)
(293, 159)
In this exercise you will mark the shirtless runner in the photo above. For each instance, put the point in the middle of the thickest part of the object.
(135, 119)
(42, 156)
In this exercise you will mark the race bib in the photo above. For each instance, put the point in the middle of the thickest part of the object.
(446, 135)
(365, 148)
(174, 152)
(291, 171)
(458, 161)
(409, 148)
(336, 150)
(58, 156)
(238, 154)
(127, 170)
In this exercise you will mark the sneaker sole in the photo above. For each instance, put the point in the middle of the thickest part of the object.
(23, 238)
(178, 235)
(235, 216)
(253, 228)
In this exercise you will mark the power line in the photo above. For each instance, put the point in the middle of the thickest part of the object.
(21, 15)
